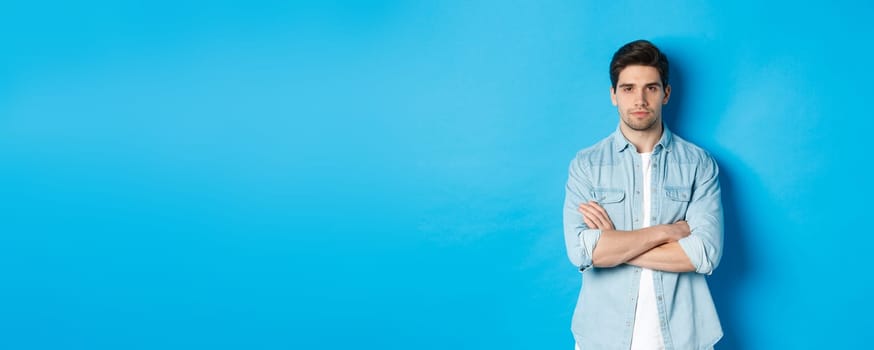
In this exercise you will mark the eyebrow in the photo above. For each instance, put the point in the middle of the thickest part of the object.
(655, 83)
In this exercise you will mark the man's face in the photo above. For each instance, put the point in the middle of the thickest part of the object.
(639, 95)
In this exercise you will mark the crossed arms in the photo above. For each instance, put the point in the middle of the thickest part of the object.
(692, 244)
(654, 247)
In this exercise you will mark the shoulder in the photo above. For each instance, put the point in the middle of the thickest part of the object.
(597, 154)
(688, 152)
(694, 158)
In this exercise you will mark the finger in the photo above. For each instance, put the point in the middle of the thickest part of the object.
(591, 214)
(589, 223)
(604, 216)
(684, 227)
(599, 208)
(584, 210)
(597, 215)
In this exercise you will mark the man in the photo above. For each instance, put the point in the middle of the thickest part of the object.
(643, 222)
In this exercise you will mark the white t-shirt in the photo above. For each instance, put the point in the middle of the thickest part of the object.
(647, 333)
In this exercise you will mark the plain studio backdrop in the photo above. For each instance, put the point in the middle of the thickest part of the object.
(390, 174)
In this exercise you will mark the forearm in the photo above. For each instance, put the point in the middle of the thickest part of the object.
(618, 247)
(668, 257)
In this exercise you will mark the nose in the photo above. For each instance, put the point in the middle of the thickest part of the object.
(640, 99)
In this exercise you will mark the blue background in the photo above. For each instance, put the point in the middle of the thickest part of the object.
(390, 175)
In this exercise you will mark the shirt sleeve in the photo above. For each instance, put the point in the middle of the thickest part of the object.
(705, 218)
(580, 240)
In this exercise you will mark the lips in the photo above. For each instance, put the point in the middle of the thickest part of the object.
(640, 113)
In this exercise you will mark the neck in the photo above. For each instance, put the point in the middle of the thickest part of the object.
(643, 140)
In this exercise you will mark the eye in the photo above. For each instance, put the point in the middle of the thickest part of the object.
(653, 88)
(626, 89)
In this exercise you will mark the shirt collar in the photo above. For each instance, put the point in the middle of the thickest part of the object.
(620, 143)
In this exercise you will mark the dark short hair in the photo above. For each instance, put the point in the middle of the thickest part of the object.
(638, 53)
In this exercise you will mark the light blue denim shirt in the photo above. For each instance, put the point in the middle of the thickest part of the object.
(685, 186)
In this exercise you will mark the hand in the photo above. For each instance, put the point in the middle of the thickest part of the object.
(677, 230)
(595, 216)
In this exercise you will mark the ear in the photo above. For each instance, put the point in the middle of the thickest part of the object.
(667, 94)
(613, 96)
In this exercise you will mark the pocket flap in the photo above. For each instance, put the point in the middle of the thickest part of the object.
(608, 195)
(679, 194)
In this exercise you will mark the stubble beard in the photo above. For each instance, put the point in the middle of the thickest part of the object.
(639, 125)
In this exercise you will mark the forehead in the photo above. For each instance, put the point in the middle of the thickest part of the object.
(639, 75)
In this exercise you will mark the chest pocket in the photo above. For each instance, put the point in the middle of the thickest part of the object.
(613, 201)
(676, 203)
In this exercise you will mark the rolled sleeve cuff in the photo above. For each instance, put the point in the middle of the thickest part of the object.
(588, 241)
(694, 248)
